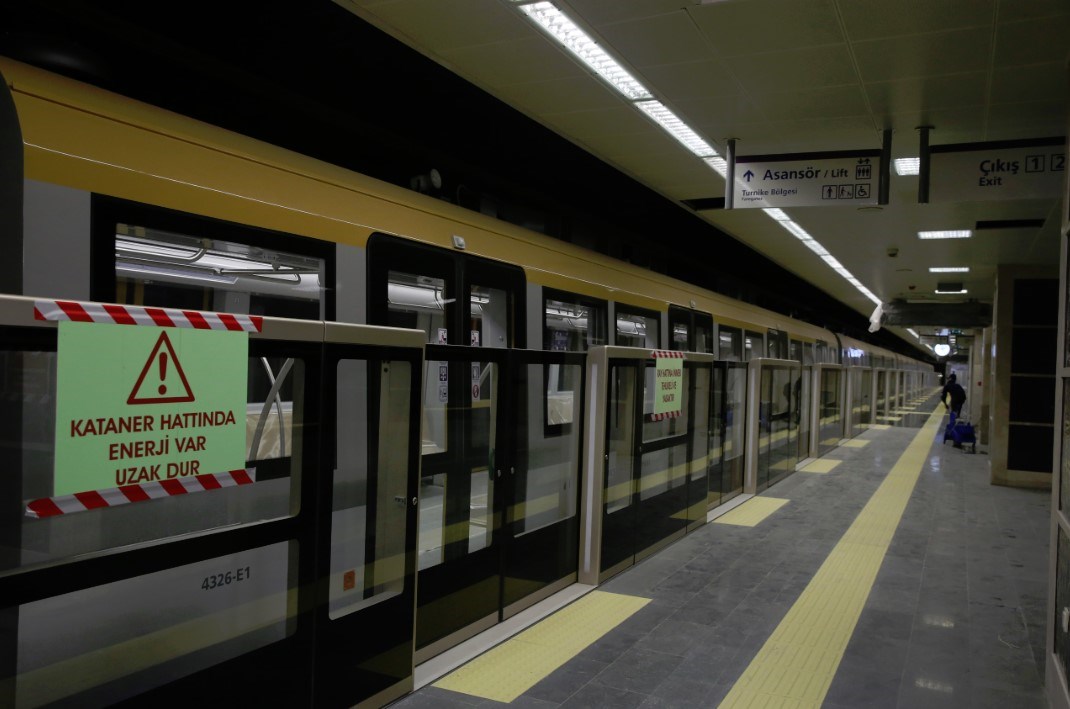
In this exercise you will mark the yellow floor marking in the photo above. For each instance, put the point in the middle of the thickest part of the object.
(824, 465)
(797, 663)
(830, 441)
(856, 443)
(510, 669)
(751, 512)
(890, 418)
(879, 426)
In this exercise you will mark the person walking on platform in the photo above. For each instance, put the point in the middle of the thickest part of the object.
(958, 397)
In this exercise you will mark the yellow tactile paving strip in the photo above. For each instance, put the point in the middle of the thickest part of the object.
(879, 426)
(856, 443)
(797, 663)
(752, 512)
(822, 465)
(510, 669)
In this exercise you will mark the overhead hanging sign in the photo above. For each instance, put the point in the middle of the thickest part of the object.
(1013, 169)
(833, 179)
(144, 404)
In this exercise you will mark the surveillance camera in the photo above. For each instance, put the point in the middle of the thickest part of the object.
(893, 252)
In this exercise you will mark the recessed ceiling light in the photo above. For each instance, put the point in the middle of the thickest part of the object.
(949, 269)
(947, 234)
(908, 166)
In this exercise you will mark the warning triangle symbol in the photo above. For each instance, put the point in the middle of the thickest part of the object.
(162, 380)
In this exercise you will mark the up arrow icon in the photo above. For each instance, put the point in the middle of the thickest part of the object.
(748, 175)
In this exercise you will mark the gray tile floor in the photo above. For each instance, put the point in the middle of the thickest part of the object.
(955, 619)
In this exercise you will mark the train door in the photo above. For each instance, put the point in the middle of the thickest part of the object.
(478, 440)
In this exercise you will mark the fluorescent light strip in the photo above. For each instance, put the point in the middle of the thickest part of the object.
(952, 234)
(949, 269)
(676, 128)
(558, 25)
(567, 33)
(916, 335)
(781, 218)
(951, 292)
(908, 166)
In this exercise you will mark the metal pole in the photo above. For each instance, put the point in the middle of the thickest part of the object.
(730, 173)
(885, 167)
(923, 166)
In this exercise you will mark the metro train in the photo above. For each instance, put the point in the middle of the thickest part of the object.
(447, 418)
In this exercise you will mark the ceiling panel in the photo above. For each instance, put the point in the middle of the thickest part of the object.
(785, 25)
(933, 54)
(937, 92)
(599, 12)
(1011, 11)
(828, 102)
(1032, 41)
(665, 39)
(811, 68)
(706, 79)
(877, 19)
(800, 135)
(1039, 82)
(620, 120)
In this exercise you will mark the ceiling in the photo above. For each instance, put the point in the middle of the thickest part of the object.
(788, 76)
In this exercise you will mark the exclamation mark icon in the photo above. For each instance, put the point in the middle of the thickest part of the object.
(163, 372)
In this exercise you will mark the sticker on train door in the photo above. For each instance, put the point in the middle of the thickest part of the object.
(147, 404)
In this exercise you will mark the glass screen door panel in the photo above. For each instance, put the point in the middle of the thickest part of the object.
(371, 578)
(624, 406)
(543, 485)
(735, 431)
(717, 436)
(830, 423)
(802, 410)
(458, 570)
(663, 472)
(765, 427)
(699, 435)
(782, 430)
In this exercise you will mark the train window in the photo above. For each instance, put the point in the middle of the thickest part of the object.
(690, 330)
(573, 323)
(367, 524)
(795, 350)
(490, 317)
(418, 302)
(548, 480)
(822, 352)
(753, 345)
(637, 327)
(703, 341)
(269, 487)
(777, 345)
(183, 261)
(729, 344)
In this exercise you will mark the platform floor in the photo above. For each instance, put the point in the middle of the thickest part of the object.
(933, 595)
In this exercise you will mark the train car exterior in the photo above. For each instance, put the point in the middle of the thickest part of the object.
(444, 418)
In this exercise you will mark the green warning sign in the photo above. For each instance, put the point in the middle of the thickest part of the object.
(138, 404)
(668, 385)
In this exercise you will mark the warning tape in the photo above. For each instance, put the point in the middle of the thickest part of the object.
(113, 497)
(138, 315)
(662, 417)
(666, 354)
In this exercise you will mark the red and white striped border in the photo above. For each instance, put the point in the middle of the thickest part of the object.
(666, 354)
(113, 497)
(138, 315)
(662, 417)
